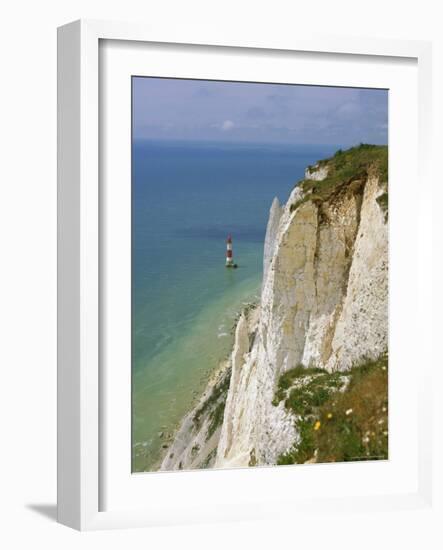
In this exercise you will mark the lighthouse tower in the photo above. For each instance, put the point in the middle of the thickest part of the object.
(229, 259)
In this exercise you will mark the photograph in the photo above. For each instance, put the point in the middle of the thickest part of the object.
(259, 274)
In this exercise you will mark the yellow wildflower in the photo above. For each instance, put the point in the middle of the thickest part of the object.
(329, 415)
(317, 425)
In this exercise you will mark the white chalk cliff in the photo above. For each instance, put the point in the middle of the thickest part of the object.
(324, 303)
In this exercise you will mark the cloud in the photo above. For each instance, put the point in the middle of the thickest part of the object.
(246, 112)
(227, 125)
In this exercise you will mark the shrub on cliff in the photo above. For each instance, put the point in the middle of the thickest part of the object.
(347, 423)
(344, 168)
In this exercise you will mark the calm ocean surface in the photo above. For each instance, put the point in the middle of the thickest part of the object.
(186, 198)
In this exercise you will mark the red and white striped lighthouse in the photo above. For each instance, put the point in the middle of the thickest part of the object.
(229, 259)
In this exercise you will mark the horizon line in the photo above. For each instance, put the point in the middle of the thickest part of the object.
(249, 143)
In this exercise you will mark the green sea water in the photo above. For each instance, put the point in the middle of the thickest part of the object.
(186, 198)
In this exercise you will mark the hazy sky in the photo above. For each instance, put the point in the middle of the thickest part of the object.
(268, 113)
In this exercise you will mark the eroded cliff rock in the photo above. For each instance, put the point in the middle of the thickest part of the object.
(324, 305)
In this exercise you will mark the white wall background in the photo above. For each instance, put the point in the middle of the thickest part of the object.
(28, 267)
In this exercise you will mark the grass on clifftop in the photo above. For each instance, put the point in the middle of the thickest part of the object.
(304, 388)
(341, 416)
(344, 168)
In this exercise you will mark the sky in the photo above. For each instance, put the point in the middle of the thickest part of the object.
(240, 112)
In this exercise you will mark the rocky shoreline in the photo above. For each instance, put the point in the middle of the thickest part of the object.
(196, 439)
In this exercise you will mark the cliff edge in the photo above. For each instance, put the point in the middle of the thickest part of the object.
(322, 322)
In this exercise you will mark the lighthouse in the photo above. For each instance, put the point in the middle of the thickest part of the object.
(229, 259)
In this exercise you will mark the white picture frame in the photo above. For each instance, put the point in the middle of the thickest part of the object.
(80, 395)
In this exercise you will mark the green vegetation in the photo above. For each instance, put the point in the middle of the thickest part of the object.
(252, 458)
(305, 399)
(216, 419)
(338, 422)
(207, 462)
(289, 378)
(218, 393)
(346, 170)
(317, 199)
(305, 448)
(214, 406)
(383, 201)
(195, 449)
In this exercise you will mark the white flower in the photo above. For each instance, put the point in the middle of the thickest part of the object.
(348, 412)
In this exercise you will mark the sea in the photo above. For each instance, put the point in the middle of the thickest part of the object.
(186, 198)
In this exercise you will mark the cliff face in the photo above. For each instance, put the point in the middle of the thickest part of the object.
(324, 305)
(275, 215)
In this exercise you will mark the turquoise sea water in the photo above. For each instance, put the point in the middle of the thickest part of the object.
(186, 198)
